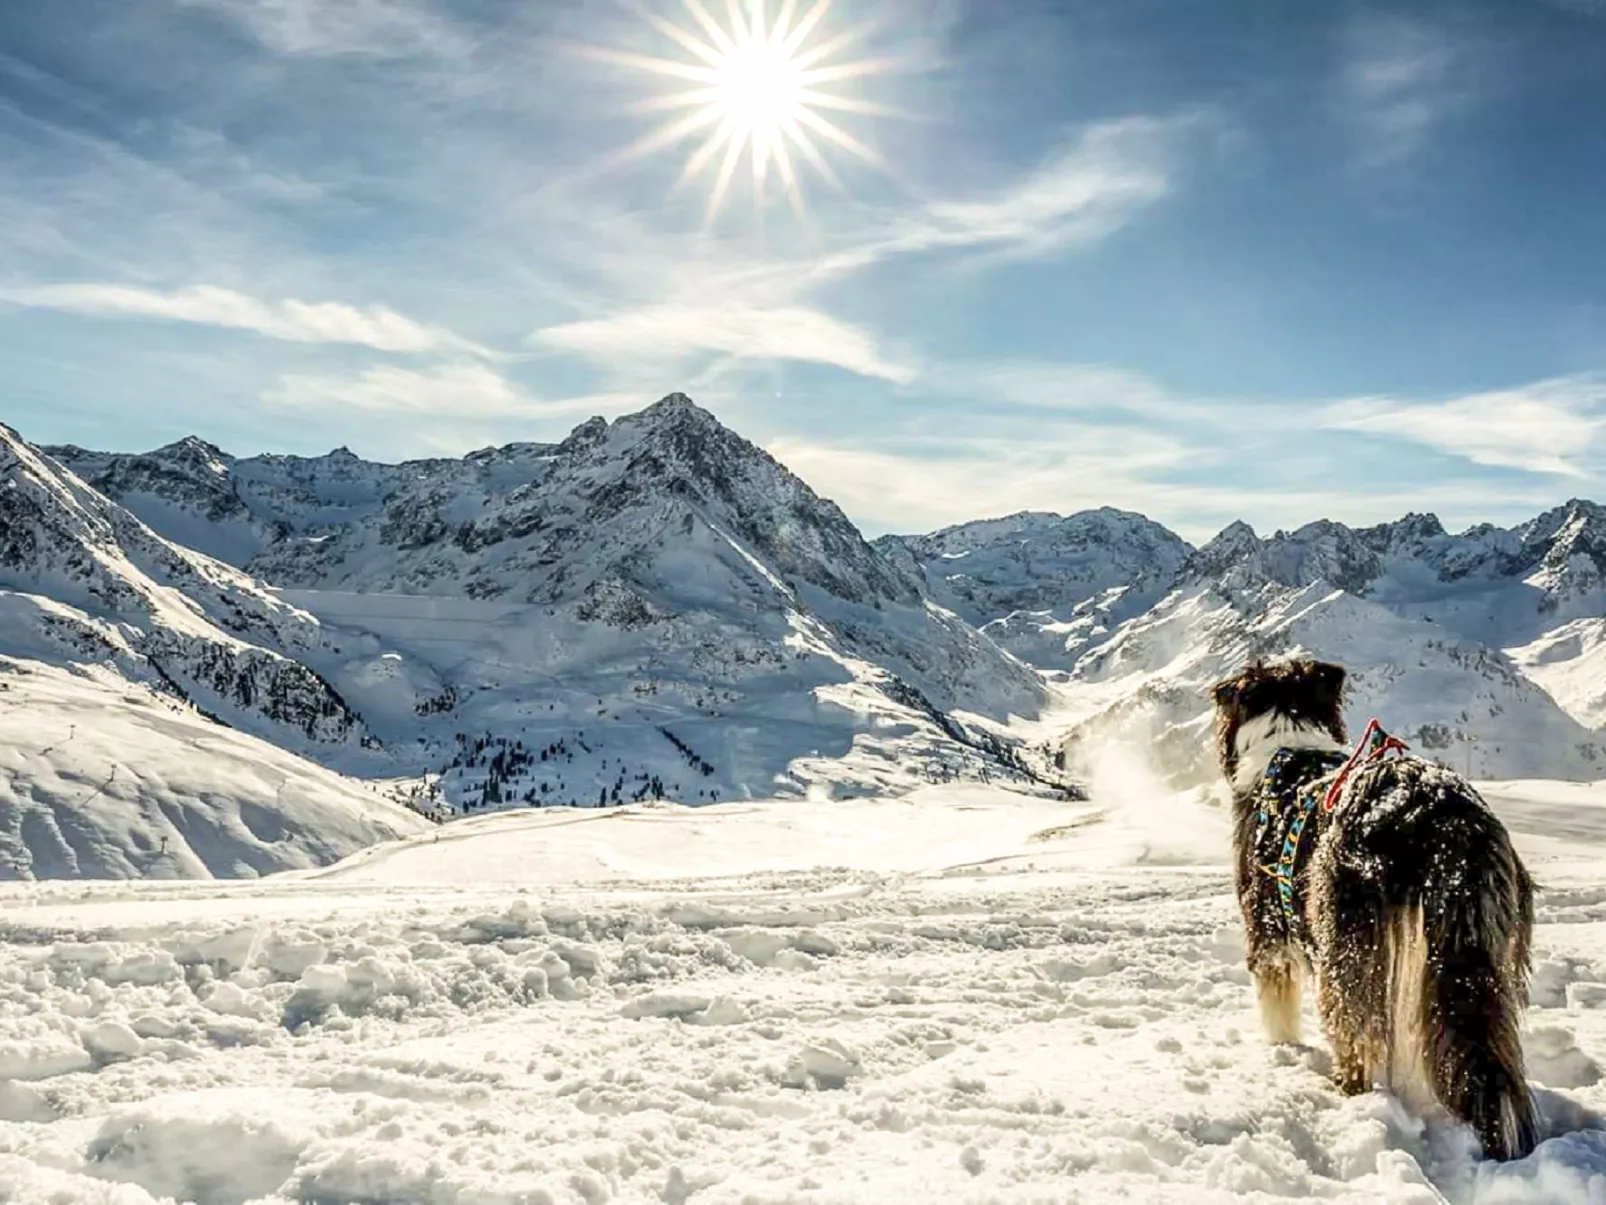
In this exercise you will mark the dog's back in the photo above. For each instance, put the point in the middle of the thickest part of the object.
(1428, 914)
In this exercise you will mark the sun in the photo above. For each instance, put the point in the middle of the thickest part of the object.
(757, 90)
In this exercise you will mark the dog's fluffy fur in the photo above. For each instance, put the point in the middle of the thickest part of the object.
(1414, 913)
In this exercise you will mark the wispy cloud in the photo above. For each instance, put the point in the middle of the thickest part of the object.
(915, 488)
(1086, 189)
(931, 484)
(668, 333)
(465, 390)
(1584, 8)
(1084, 436)
(1553, 427)
(1401, 79)
(208, 305)
(371, 28)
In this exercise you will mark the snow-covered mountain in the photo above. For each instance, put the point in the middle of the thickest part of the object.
(82, 579)
(1477, 647)
(1044, 586)
(655, 606)
(101, 777)
(154, 702)
(651, 607)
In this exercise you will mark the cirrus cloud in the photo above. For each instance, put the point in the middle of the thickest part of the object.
(1551, 427)
(454, 390)
(668, 332)
(209, 305)
(322, 28)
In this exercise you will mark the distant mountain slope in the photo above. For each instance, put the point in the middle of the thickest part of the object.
(237, 508)
(656, 606)
(1479, 647)
(1497, 584)
(83, 580)
(652, 606)
(100, 778)
(1046, 587)
(661, 513)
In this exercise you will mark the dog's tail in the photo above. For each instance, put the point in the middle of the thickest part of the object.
(1466, 945)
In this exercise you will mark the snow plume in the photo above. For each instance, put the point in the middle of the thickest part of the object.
(1126, 779)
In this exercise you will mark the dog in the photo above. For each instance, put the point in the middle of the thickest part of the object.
(1399, 890)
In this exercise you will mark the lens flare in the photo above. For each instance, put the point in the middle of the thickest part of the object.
(759, 86)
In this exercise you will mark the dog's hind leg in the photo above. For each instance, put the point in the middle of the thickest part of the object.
(1477, 941)
(1277, 982)
(1352, 970)
(1351, 1074)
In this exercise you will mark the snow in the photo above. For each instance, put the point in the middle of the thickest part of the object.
(962, 994)
(1452, 697)
(662, 610)
(1569, 662)
(1043, 586)
(652, 609)
(100, 778)
(238, 974)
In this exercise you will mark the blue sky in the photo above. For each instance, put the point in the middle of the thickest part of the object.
(1207, 261)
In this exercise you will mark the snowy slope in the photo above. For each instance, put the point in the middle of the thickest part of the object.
(1046, 587)
(1569, 662)
(662, 514)
(961, 995)
(656, 607)
(82, 581)
(1483, 648)
(1423, 619)
(103, 779)
(234, 509)
(651, 607)
(1451, 698)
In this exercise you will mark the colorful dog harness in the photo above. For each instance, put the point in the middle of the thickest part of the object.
(1289, 792)
(1293, 783)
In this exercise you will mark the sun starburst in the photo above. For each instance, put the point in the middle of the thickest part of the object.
(757, 90)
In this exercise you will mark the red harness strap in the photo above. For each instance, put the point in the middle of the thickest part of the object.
(1374, 743)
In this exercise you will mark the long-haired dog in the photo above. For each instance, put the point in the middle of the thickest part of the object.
(1404, 898)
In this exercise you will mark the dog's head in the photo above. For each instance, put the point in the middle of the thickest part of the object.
(1292, 696)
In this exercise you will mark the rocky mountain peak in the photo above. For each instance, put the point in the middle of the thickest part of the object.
(1411, 533)
(587, 435)
(679, 430)
(194, 451)
(13, 445)
(675, 449)
(1565, 547)
(1045, 585)
(1234, 546)
(675, 405)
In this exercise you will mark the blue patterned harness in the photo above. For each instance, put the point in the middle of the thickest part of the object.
(1289, 794)
(1297, 780)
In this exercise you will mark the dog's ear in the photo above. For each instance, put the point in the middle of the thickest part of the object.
(1225, 692)
(1328, 680)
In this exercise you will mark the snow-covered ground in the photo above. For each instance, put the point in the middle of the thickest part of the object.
(961, 995)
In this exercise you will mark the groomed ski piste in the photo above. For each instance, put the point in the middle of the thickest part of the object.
(961, 995)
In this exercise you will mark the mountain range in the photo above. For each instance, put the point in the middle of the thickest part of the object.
(655, 607)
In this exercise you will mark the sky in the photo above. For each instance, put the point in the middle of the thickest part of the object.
(1239, 260)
